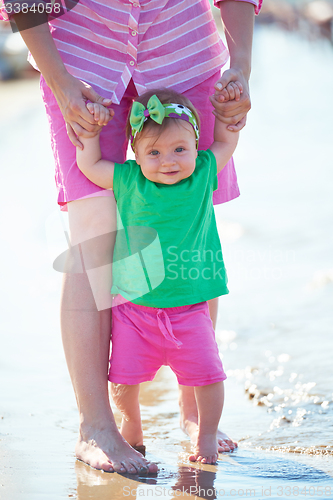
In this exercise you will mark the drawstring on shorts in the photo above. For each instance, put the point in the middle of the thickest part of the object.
(166, 330)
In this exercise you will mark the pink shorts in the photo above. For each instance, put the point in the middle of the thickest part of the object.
(73, 185)
(145, 338)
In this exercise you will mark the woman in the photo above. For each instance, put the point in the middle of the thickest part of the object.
(114, 51)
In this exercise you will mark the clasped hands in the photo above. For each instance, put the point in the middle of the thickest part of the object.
(231, 103)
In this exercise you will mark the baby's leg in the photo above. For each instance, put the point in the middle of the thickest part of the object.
(210, 403)
(126, 398)
(188, 405)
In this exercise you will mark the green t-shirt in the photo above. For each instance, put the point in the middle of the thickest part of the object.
(167, 252)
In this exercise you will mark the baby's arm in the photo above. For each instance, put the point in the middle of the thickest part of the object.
(225, 142)
(89, 160)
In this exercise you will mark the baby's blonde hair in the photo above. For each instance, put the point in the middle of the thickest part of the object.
(166, 96)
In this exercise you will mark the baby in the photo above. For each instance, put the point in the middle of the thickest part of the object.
(167, 260)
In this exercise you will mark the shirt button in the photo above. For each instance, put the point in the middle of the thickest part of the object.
(132, 63)
(133, 33)
(135, 5)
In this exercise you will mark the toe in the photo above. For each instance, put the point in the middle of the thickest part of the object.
(192, 458)
(107, 467)
(152, 468)
(130, 469)
(140, 463)
(233, 445)
(223, 446)
(119, 467)
(131, 466)
(141, 467)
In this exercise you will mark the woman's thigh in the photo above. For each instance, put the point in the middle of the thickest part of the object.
(92, 223)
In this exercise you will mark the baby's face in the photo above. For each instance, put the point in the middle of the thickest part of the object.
(170, 157)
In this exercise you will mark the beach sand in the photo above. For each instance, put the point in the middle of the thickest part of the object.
(38, 416)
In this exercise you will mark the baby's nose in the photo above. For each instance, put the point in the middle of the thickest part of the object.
(168, 160)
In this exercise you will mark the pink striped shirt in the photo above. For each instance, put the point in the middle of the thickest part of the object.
(158, 43)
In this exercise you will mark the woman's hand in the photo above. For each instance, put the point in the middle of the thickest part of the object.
(232, 112)
(71, 95)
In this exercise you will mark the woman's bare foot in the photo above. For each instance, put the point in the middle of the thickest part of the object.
(224, 443)
(205, 449)
(107, 450)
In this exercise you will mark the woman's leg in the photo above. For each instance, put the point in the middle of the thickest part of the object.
(126, 398)
(86, 324)
(85, 304)
(209, 400)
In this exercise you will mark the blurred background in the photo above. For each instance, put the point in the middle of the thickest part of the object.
(311, 18)
(274, 328)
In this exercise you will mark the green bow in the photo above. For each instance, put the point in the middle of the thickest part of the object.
(139, 113)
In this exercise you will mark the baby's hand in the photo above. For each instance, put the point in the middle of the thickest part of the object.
(102, 115)
(231, 92)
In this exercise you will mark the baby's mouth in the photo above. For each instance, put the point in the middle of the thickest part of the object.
(174, 172)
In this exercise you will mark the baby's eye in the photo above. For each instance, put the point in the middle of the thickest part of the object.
(154, 152)
(179, 150)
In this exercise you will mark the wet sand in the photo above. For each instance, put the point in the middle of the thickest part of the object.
(38, 416)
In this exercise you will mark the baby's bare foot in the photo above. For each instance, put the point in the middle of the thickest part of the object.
(224, 443)
(107, 450)
(205, 449)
